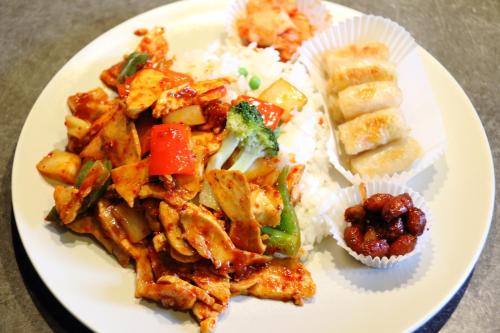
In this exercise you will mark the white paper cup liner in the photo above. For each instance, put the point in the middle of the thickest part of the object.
(419, 106)
(427, 159)
(315, 11)
(350, 196)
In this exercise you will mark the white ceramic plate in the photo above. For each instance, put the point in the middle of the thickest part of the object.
(350, 297)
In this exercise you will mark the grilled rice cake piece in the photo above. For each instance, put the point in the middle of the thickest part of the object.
(394, 157)
(356, 64)
(372, 130)
(368, 97)
(350, 72)
(375, 50)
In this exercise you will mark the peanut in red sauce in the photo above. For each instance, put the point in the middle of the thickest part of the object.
(384, 225)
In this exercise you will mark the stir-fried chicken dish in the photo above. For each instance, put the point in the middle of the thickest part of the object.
(174, 179)
(276, 23)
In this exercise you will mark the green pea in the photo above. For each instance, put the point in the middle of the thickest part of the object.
(243, 71)
(254, 83)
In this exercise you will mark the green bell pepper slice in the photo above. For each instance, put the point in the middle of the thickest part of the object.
(285, 238)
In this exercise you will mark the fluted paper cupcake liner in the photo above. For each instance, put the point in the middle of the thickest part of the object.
(351, 196)
(419, 107)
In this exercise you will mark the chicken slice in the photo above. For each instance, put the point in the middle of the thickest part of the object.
(128, 180)
(92, 104)
(159, 192)
(182, 258)
(189, 94)
(160, 242)
(152, 190)
(216, 285)
(170, 290)
(207, 141)
(132, 221)
(88, 225)
(144, 278)
(281, 279)
(114, 231)
(173, 99)
(120, 141)
(151, 209)
(293, 180)
(98, 125)
(232, 192)
(267, 205)
(177, 295)
(93, 150)
(201, 295)
(169, 219)
(145, 88)
(117, 140)
(209, 239)
(188, 186)
(264, 171)
(206, 316)
(174, 296)
(210, 90)
(204, 234)
(159, 265)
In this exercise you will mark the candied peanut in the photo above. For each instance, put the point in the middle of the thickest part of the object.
(376, 202)
(396, 228)
(392, 230)
(416, 221)
(370, 234)
(394, 208)
(353, 237)
(355, 214)
(375, 248)
(406, 199)
(403, 245)
(374, 219)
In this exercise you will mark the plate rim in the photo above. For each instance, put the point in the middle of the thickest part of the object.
(492, 191)
(429, 58)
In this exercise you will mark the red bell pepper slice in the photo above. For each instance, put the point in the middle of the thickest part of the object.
(170, 151)
(271, 114)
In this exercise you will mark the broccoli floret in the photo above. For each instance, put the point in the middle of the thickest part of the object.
(243, 119)
(246, 130)
(263, 143)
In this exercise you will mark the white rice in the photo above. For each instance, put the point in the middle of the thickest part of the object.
(302, 140)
